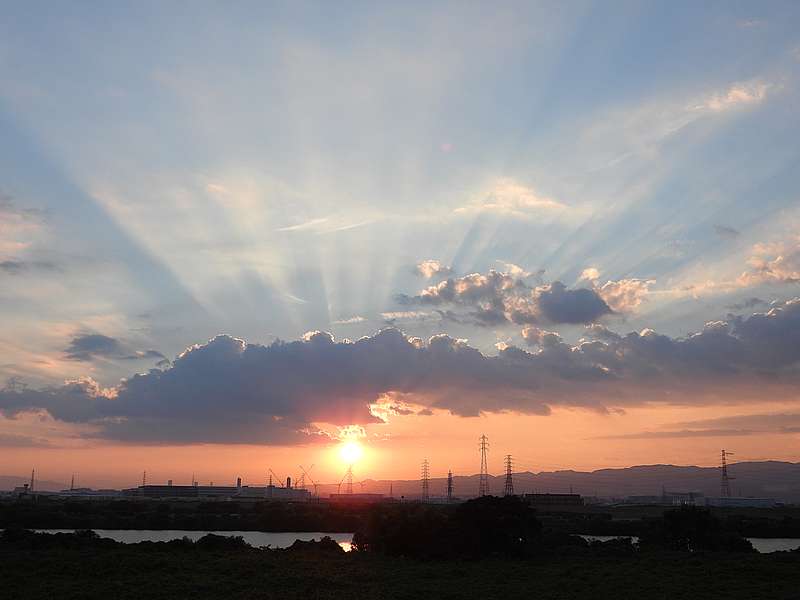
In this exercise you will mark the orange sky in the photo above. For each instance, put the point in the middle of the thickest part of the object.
(567, 439)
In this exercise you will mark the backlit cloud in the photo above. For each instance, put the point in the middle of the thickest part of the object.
(509, 197)
(498, 297)
(432, 268)
(230, 391)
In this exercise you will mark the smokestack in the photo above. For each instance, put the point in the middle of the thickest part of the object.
(239, 483)
(289, 482)
(169, 482)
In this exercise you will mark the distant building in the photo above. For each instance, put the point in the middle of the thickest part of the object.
(553, 500)
(741, 502)
(270, 492)
(89, 493)
(668, 499)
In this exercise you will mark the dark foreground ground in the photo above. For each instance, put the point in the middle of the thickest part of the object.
(160, 571)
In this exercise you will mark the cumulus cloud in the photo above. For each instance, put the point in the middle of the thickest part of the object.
(773, 263)
(509, 197)
(498, 297)
(230, 391)
(88, 347)
(624, 295)
(432, 268)
(534, 336)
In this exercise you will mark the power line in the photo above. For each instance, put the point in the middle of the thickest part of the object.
(508, 488)
(483, 486)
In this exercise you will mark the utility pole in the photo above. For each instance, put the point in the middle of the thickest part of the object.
(483, 486)
(508, 488)
(725, 486)
(425, 480)
(450, 486)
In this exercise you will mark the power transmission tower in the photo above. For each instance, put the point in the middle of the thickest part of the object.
(349, 480)
(725, 486)
(508, 489)
(450, 486)
(425, 480)
(483, 486)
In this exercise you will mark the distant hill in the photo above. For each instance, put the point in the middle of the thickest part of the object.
(9, 482)
(769, 479)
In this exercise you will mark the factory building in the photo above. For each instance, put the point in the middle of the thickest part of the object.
(742, 502)
(238, 491)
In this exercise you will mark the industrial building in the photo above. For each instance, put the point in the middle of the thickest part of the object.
(238, 491)
(724, 502)
(668, 499)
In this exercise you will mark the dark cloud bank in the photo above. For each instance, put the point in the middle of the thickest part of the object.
(229, 391)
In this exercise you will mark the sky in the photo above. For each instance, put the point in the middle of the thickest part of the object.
(235, 235)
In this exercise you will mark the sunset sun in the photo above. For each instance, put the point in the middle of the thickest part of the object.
(350, 451)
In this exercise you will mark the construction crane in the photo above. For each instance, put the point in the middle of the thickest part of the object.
(306, 473)
(280, 481)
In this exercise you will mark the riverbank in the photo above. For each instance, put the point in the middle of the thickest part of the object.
(102, 569)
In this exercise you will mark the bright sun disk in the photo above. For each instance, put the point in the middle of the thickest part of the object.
(350, 451)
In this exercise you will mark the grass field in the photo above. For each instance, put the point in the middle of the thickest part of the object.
(161, 571)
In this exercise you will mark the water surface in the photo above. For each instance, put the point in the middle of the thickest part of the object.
(254, 538)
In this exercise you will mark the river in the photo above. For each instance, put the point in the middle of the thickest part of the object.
(763, 545)
(254, 538)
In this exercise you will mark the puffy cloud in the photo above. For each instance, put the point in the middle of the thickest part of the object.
(432, 268)
(534, 336)
(773, 263)
(499, 298)
(87, 347)
(509, 197)
(230, 391)
(624, 295)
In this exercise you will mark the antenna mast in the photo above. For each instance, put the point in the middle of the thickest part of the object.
(483, 486)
